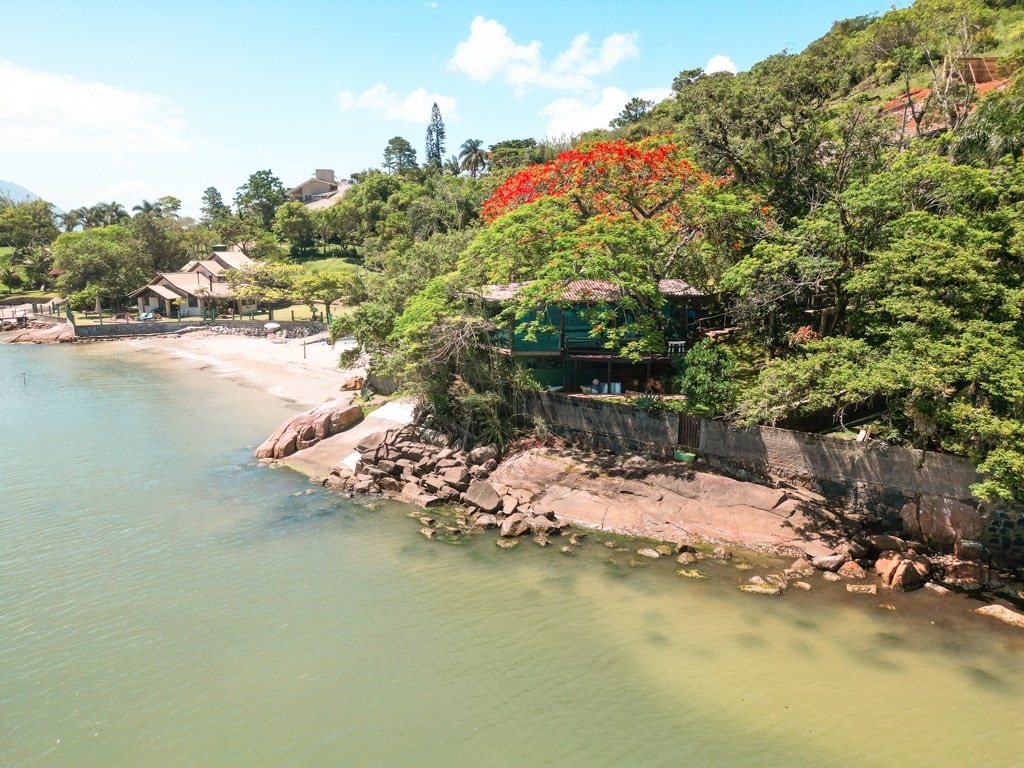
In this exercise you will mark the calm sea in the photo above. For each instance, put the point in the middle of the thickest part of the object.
(163, 602)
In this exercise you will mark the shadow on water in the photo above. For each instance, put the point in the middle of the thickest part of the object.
(988, 681)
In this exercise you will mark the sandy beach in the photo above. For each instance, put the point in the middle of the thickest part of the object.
(302, 371)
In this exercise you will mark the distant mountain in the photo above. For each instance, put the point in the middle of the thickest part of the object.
(16, 192)
(19, 194)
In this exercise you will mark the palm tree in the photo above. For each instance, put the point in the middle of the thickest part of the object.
(473, 157)
(71, 219)
(147, 207)
(105, 214)
(452, 166)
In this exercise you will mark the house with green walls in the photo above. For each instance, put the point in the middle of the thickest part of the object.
(569, 353)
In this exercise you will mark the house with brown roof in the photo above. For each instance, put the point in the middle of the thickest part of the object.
(320, 191)
(196, 288)
(917, 111)
(570, 352)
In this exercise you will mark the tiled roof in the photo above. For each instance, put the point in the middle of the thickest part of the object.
(674, 288)
(589, 290)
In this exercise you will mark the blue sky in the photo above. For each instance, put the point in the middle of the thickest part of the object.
(135, 100)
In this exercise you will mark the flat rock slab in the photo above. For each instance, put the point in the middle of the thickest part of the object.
(680, 507)
(1002, 613)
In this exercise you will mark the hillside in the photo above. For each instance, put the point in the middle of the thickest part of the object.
(15, 192)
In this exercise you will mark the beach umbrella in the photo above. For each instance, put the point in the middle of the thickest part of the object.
(271, 326)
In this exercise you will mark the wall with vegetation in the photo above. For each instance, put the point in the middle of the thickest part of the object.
(925, 494)
(609, 426)
(242, 327)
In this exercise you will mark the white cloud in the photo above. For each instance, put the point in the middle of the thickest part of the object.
(386, 104)
(720, 63)
(657, 95)
(47, 113)
(491, 52)
(571, 116)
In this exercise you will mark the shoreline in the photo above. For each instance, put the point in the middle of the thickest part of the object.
(304, 374)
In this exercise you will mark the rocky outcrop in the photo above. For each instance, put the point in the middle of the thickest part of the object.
(541, 493)
(353, 383)
(902, 573)
(38, 333)
(668, 502)
(309, 428)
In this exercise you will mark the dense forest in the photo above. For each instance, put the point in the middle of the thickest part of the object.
(856, 210)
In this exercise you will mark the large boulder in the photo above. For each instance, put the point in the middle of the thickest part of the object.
(353, 383)
(898, 572)
(482, 495)
(514, 525)
(828, 562)
(309, 428)
(482, 455)
(457, 478)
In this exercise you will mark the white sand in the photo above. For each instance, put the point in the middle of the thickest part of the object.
(303, 371)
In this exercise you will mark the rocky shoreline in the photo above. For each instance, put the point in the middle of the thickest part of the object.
(690, 515)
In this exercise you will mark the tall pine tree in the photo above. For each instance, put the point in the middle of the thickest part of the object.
(435, 138)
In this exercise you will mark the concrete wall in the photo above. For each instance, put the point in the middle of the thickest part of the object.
(296, 329)
(924, 494)
(803, 455)
(609, 426)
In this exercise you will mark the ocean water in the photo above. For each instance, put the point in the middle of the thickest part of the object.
(164, 602)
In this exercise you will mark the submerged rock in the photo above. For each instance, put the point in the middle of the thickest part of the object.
(1002, 613)
(690, 573)
(862, 589)
(761, 589)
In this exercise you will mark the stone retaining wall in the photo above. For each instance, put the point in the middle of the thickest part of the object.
(295, 329)
(924, 494)
(611, 426)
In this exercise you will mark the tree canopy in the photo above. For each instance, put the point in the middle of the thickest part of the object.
(259, 198)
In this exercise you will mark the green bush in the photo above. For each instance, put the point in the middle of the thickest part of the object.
(707, 377)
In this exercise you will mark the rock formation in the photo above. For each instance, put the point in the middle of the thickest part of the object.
(309, 428)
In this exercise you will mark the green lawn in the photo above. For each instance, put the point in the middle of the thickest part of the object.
(330, 264)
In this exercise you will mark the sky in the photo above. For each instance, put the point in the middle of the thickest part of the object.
(137, 99)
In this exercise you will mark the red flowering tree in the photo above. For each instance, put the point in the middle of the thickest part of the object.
(629, 213)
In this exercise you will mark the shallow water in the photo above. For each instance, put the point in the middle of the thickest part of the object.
(163, 602)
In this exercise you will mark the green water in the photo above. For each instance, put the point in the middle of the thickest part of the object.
(165, 603)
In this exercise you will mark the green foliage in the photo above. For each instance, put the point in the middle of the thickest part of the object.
(259, 197)
(514, 153)
(214, 209)
(107, 259)
(325, 287)
(265, 282)
(399, 156)
(294, 224)
(26, 226)
(707, 377)
(435, 138)
(84, 300)
(472, 157)
(635, 110)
